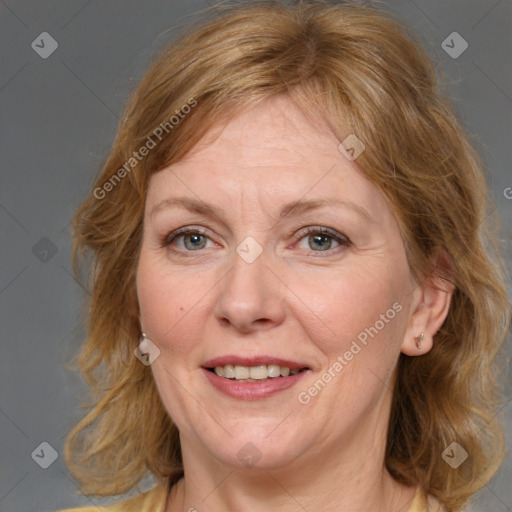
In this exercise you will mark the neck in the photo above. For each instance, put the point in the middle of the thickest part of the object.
(231, 493)
(328, 481)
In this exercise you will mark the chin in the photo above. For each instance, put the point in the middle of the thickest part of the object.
(261, 446)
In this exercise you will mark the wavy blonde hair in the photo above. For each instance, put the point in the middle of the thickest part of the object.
(359, 70)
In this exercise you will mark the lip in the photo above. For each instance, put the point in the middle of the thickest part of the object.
(253, 361)
(252, 390)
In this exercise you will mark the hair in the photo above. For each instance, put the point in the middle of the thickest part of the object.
(361, 72)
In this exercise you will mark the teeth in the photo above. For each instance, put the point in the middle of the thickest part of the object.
(229, 371)
(241, 372)
(274, 370)
(253, 373)
(258, 372)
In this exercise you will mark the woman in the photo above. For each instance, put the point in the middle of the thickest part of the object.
(291, 304)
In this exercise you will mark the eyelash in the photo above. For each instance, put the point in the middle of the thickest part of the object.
(169, 239)
(341, 239)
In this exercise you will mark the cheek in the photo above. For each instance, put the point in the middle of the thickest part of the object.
(362, 304)
(360, 333)
(163, 301)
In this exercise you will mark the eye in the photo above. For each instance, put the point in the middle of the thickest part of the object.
(321, 239)
(193, 239)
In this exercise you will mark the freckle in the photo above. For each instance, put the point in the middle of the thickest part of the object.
(181, 308)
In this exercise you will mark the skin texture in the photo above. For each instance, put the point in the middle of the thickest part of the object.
(295, 302)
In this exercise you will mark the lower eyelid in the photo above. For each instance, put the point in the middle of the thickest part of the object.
(342, 243)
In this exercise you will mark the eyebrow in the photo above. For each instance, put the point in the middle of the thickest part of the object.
(295, 207)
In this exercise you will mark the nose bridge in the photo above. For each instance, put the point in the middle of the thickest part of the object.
(250, 293)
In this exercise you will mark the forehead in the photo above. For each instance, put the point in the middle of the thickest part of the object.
(273, 152)
(274, 131)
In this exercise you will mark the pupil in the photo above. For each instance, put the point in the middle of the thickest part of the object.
(194, 240)
(323, 241)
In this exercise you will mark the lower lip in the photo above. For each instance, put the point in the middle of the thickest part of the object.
(252, 390)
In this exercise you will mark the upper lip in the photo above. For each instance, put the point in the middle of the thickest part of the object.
(253, 361)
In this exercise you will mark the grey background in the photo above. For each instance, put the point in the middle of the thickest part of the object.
(58, 119)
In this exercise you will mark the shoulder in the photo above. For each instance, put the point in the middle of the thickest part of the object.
(150, 501)
(434, 505)
(425, 503)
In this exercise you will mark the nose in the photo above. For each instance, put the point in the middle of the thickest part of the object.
(251, 296)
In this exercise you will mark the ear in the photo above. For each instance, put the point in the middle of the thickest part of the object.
(429, 309)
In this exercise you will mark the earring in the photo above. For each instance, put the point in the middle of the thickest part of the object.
(419, 339)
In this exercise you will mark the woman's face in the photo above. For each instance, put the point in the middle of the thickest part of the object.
(247, 289)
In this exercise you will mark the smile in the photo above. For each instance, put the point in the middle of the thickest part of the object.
(257, 373)
(253, 378)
